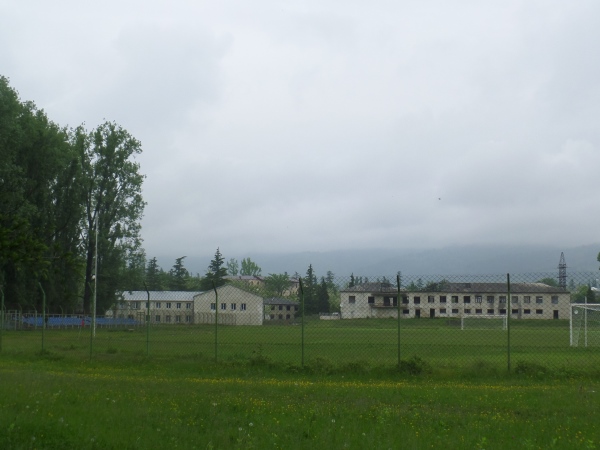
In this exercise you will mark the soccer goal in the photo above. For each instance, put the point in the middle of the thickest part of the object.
(483, 322)
(585, 324)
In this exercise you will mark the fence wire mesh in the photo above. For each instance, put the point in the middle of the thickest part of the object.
(450, 322)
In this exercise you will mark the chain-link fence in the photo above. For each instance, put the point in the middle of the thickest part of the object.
(450, 322)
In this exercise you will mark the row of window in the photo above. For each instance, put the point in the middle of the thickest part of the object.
(287, 307)
(481, 311)
(233, 306)
(188, 319)
(490, 299)
(280, 316)
(158, 305)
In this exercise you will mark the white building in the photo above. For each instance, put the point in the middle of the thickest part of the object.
(446, 299)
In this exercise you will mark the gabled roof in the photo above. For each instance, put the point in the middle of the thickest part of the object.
(161, 296)
(464, 288)
(279, 301)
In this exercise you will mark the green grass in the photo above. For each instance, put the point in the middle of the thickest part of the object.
(53, 402)
(438, 341)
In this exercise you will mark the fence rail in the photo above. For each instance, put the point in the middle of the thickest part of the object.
(447, 321)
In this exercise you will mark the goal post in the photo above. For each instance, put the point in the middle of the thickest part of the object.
(484, 322)
(584, 326)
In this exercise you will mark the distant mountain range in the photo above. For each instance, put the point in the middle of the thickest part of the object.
(459, 260)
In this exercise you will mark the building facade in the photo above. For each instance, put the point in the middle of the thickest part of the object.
(445, 299)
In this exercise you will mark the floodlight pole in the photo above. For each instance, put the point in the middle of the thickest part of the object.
(585, 319)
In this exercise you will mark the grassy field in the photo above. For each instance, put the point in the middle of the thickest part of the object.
(51, 402)
(442, 344)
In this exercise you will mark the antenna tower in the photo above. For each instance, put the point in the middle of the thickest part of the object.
(562, 272)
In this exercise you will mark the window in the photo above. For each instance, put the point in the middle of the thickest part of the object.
(455, 299)
(490, 299)
(295, 308)
(478, 299)
(490, 311)
(442, 299)
(430, 299)
(223, 306)
(168, 305)
(157, 319)
(405, 299)
(555, 299)
(539, 299)
(371, 300)
(272, 316)
(213, 306)
(352, 299)
(515, 311)
(288, 308)
(526, 311)
(502, 311)
(188, 306)
(455, 310)
(502, 299)
(157, 305)
(405, 311)
(395, 301)
(243, 307)
(478, 311)
(168, 319)
(178, 305)
(188, 319)
(287, 316)
(467, 311)
(442, 310)
(466, 299)
(386, 301)
(178, 319)
(539, 311)
(527, 299)
(417, 300)
(233, 306)
(280, 316)
(515, 299)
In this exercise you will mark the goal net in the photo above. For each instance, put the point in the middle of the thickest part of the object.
(483, 322)
(585, 324)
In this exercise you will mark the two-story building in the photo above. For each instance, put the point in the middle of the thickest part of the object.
(446, 299)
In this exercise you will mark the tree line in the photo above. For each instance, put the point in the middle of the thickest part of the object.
(70, 198)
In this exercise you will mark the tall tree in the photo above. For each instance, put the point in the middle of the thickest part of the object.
(153, 275)
(215, 273)
(233, 267)
(310, 292)
(277, 284)
(323, 297)
(179, 275)
(114, 205)
(249, 267)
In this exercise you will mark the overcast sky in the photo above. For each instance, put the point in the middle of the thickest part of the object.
(320, 125)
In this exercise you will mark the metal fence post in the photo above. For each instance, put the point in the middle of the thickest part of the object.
(508, 313)
(398, 301)
(302, 317)
(216, 322)
(1, 318)
(43, 313)
(147, 322)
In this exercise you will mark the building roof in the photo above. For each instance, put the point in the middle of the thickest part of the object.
(463, 288)
(161, 296)
(279, 301)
